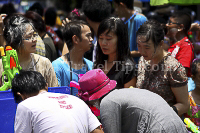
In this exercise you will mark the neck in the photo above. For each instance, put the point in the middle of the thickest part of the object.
(95, 27)
(128, 13)
(24, 57)
(42, 91)
(112, 57)
(76, 58)
(41, 34)
(180, 35)
(196, 90)
(159, 57)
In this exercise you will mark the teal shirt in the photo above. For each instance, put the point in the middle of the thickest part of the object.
(62, 71)
(133, 26)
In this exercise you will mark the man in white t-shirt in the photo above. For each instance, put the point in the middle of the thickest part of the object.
(45, 112)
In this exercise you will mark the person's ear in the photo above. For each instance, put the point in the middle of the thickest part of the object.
(21, 95)
(46, 87)
(162, 43)
(181, 27)
(75, 39)
(122, 5)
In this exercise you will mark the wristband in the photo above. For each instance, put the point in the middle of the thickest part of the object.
(175, 109)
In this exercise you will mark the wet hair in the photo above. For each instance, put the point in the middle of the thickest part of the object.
(195, 65)
(182, 17)
(96, 10)
(129, 3)
(72, 28)
(15, 29)
(76, 14)
(28, 83)
(117, 26)
(50, 16)
(37, 7)
(152, 30)
(37, 21)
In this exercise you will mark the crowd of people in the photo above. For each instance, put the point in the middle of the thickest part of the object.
(132, 73)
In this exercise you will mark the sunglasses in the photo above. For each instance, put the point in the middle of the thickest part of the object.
(170, 23)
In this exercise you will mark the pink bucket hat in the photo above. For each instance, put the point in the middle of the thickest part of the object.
(95, 84)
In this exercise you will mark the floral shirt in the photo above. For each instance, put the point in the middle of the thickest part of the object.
(166, 74)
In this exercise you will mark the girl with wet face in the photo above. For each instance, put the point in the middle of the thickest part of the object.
(20, 34)
(158, 71)
(113, 53)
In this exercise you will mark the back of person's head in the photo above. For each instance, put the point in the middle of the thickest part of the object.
(27, 83)
(152, 30)
(50, 16)
(129, 3)
(15, 29)
(76, 14)
(70, 29)
(37, 21)
(116, 25)
(37, 7)
(195, 66)
(182, 17)
(8, 9)
(96, 10)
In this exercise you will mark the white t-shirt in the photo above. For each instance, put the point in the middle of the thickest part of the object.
(54, 113)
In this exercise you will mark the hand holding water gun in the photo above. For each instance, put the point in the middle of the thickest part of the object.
(11, 66)
(191, 125)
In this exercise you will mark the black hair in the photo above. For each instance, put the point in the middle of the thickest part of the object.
(37, 21)
(129, 3)
(195, 65)
(96, 10)
(76, 14)
(50, 16)
(15, 30)
(117, 26)
(72, 28)
(27, 83)
(37, 7)
(8, 9)
(182, 17)
(152, 30)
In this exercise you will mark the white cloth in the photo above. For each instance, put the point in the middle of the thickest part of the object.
(54, 113)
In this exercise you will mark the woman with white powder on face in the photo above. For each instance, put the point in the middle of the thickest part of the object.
(20, 34)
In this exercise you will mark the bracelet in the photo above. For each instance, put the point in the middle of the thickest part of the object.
(175, 109)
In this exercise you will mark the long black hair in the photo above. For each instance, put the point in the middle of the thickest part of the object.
(117, 26)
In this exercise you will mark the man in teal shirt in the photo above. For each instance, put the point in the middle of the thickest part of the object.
(124, 8)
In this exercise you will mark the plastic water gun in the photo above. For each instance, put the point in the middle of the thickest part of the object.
(11, 66)
(191, 125)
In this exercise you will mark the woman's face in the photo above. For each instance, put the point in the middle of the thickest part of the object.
(146, 49)
(108, 42)
(29, 40)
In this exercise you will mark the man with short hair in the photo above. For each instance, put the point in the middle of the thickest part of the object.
(124, 8)
(42, 111)
(96, 11)
(77, 36)
(180, 48)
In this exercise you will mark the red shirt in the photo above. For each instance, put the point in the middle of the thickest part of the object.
(183, 52)
(53, 34)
